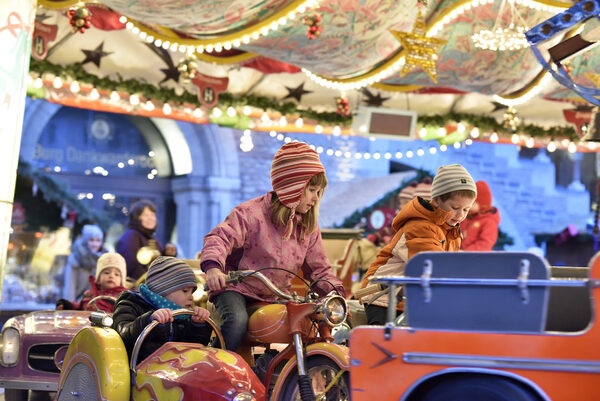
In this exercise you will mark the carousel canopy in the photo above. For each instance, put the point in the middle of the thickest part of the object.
(312, 66)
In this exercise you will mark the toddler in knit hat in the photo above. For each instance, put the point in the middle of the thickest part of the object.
(170, 284)
(107, 282)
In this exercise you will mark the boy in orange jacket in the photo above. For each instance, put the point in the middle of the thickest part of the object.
(422, 226)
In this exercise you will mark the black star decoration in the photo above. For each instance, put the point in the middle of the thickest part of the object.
(373, 100)
(498, 106)
(171, 72)
(94, 56)
(297, 92)
(42, 17)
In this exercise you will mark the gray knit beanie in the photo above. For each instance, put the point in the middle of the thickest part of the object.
(167, 274)
(450, 178)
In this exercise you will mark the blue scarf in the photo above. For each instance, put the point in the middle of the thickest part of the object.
(160, 302)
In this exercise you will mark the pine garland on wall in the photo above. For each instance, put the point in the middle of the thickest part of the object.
(167, 95)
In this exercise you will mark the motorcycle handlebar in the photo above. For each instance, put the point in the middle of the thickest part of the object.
(238, 276)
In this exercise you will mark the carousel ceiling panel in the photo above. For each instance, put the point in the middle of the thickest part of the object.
(358, 38)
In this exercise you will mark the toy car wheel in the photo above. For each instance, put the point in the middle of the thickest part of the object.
(478, 388)
(11, 394)
(322, 371)
(80, 385)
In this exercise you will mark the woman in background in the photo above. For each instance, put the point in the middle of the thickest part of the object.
(140, 232)
(81, 263)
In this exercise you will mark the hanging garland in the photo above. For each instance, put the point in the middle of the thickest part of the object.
(165, 95)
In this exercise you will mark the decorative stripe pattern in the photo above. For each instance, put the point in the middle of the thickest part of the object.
(167, 274)
(293, 166)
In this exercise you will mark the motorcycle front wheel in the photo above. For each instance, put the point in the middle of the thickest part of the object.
(322, 371)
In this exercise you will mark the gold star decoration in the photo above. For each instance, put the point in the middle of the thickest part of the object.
(595, 78)
(421, 50)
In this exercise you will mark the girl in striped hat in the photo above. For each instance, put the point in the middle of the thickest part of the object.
(277, 230)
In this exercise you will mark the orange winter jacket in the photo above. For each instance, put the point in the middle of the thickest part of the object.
(420, 227)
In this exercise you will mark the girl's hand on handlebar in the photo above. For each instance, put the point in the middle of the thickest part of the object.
(162, 315)
(200, 314)
(215, 279)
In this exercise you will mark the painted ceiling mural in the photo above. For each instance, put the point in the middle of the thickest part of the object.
(408, 54)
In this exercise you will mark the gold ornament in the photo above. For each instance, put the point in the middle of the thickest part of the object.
(421, 49)
(188, 68)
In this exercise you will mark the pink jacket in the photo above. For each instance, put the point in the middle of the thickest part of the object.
(248, 240)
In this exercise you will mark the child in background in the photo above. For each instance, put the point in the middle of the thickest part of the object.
(169, 286)
(480, 228)
(110, 274)
(81, 263)
(422, 226)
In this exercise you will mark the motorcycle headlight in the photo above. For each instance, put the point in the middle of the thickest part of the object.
(244, 397)
(335, 310)
(10, 347)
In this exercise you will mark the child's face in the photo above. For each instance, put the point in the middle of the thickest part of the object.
(148, 219)
(94, 244)
(183, 297)
(457, 205)
(309, 198)
(110, 278)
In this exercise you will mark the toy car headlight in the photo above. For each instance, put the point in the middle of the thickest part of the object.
(335, 310)
(10, 347)
(101, 319)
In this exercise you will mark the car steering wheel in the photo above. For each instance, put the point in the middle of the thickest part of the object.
(148, 329)
(92, 303)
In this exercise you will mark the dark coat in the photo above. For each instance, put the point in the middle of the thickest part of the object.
(133, 313)
(128, 246)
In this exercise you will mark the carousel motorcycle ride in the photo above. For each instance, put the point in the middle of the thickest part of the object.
(310, 366)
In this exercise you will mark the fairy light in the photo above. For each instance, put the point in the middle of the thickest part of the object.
(167, 109)
(409, 154)
(551, 146)
(494, 138)
(530, 142)
(114, 97)
(443, 148)
(94, 94)
(197, 112)
(231, 111)
(432, 150)
(515, 139)
(475, 132)
(299, 123)
(217, 112)
(134, 100)
(398, 155)
(227, 42)
(358, 156)
(572, 148)
(57, 83)
(75, 87)
(456, 145)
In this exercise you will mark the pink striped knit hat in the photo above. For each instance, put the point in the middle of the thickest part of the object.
(293, 166)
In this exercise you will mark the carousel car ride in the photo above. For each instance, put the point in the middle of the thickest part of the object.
(32, 348)
(479, 327)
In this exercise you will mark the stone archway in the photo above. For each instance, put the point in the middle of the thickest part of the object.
(204, 161)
